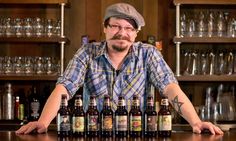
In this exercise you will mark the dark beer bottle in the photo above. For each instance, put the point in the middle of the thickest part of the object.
(135, 118)
(63, 118)
(150, 119)
(106, 118)
(78, 121)
(92, 117)
(121, 119)
(34, 105)
(164, 119)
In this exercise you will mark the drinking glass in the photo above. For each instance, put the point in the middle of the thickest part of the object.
(49, 27)
(38, 27)
(18, 65)
(29, 65)
(28, 27)
(18, 27)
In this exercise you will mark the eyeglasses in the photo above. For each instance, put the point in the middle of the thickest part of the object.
(118, 28)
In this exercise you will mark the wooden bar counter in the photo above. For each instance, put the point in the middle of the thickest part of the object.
(176, 136)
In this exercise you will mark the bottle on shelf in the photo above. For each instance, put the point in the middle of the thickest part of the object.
(92, 117)
(78, 118)
(150, 118)
(106, 118)
(17, 107)
(135, 118)
(164, 119)
(121, 119)
(8, 103)
(63, 118)
(34, 105)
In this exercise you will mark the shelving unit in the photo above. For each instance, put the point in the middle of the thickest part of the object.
(194, 84)
(44, 45)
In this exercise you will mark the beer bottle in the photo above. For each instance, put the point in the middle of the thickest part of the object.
(63, 118)
(164, 119)
(106, 118)
(92, 117)
(78, 121)
(150, 119)
(135, 118)
(121, 119)
(34, 107)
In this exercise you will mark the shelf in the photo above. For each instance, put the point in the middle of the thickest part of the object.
(44, 39)
(28, 77)
(33, 1)
(205, 39)
(208, 78)
(213, 2)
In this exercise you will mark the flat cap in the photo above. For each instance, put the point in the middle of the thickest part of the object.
(125, 11)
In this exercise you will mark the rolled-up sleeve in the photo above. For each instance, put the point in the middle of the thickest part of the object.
(74, 74)
(160, 73)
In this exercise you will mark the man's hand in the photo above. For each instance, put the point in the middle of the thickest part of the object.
(32, 126)
(199, 127)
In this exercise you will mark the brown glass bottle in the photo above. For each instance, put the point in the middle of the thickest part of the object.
(34, 105)
(78, 118)
(121, 119)
(63, 119)
(150, 119)
(164, 119)
(106, 118)
(135, 118)
(92, 117)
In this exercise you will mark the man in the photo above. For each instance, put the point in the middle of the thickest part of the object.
(118, 66)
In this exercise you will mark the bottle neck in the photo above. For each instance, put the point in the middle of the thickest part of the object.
(164, 103)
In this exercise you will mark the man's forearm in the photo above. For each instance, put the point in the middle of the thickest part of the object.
(52, 105)
(181, 103)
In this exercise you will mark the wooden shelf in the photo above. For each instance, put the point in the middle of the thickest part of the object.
(208, 78)
(205, 39)
(28, 77)
(213, 2)
(33, 1)
(43, 39)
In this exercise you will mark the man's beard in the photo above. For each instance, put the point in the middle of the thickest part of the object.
(119, 48)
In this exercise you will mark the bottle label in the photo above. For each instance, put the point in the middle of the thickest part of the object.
(92, 123)
(22, 110)
(150, 123)
(121, 123)
(35, 109)
(64, 122)
(78, 124)
(135, 123)
(165, 123)
(107, 123)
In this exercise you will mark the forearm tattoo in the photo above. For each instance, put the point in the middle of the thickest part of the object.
(177, 105)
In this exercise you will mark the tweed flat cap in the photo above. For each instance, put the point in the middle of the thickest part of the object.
(126, 11)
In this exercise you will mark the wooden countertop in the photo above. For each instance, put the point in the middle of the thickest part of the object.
(176, 136)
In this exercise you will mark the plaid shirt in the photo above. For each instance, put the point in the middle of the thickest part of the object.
(92, 69)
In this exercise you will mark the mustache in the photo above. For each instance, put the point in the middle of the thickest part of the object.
(120, 37)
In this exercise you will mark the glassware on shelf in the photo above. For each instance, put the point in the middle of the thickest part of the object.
(57, 28)
(9, 28)
(183, 25)
(28, 27)
(29, 65)
(8, 65)
(201, 24)
(49, 27)
(18, 27)
(191, 28)
(211, 24)
(38, 27)
(231, 28)
(39, 67)
(18, 65)
(221, 24)
(49, 65)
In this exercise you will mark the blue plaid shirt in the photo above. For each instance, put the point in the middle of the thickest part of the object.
(92, 69)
